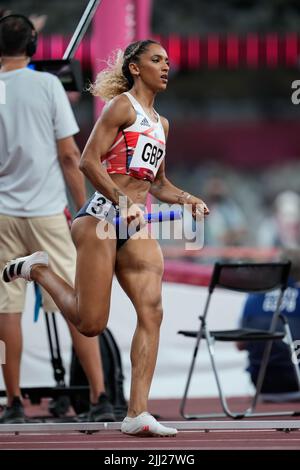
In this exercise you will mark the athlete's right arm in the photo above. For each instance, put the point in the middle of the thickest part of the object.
(115, 115)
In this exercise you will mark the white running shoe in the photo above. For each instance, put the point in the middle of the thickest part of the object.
(146, 425)
(21, 267)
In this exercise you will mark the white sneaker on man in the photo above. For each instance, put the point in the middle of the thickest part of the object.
(146, 425)
(21, 267)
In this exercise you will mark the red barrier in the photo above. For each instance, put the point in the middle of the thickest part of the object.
(187, 273)
(197, 274)
(229, 252)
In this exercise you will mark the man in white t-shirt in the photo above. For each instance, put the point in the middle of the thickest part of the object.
(38, 155)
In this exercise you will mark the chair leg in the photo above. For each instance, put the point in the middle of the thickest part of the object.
(261, 375)
(263, 367)
(227, 411)
(190, 373)
(192, 366)
(225, 407)
(211, 350)
(266, 356)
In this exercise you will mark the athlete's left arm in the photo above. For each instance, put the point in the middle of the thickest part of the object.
(165, 191)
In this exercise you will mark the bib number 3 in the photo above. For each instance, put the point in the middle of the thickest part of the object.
(99, 206)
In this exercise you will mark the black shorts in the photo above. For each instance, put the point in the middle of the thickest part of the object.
(101, 208)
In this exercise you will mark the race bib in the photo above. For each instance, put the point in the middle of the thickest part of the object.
(100, 207)
(148, 153)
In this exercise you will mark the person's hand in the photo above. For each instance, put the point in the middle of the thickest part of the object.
(198, 207)
(135, 216)
(133, 213)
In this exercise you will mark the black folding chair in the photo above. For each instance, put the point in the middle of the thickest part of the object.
(243, 277)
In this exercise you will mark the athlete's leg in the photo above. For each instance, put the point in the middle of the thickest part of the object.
(52, 234)
(88, 353)
(86, 306)
(139, 269)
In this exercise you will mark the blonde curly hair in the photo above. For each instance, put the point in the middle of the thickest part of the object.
(116, 77)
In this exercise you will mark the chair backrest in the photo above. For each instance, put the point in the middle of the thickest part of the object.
(250, 277)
